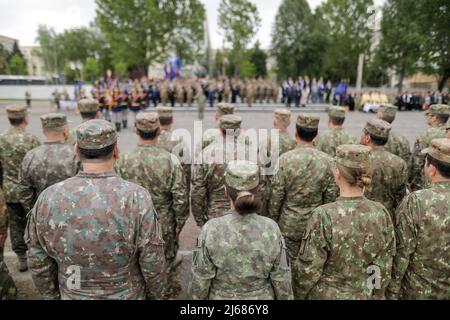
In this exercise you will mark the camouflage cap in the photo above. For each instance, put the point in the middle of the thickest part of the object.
(166, 112)
(353, 156)
(439, 149)
(147, 121)
(96, 134)
(230, 122)
(308, 121)
(53, 120)
(283, 114)
(88, 105)
(439, 110)
(225, 108)
(378, 128)
(16, 111)
(336, 112)
(388, 109)
(242, 175)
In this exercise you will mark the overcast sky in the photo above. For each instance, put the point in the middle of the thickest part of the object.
(20, 19)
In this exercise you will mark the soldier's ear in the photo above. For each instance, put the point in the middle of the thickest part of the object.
(116, 153)
(77, 151)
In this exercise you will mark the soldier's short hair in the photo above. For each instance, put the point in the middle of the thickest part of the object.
(378, 141)
(307, 134)
(442, 167)
(337, 121)
(16, 122)
(103, 154)
(88, 115)
(442, 118)
(148, 135)
(165, 121)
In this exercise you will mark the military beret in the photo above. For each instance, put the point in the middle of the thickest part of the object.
(225, 108)
(388, 109)
(378, 128)
(439, 110)
(282, 114)
(336, 112)
(16, 111)
(147, 121)
(53, 120)
(242, 175)
(439, 149)
(353, 156)
(88, 105)
(231, 122)
(96, 134)
(164, 111)
(308, 121)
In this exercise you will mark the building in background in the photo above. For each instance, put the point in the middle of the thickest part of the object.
(8, 43)
(35, 64)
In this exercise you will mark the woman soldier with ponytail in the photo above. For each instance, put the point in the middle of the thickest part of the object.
(241, 255)
(348, 247)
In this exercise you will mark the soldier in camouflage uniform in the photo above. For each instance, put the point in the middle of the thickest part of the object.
(346, 238)
(8, 289)
(422, 262)
(89, 109)
(241, 256)
(159, 172)
(174, 146)
(201, 101)
(336, 135)
(213, 135)
(390, 173)
(48, 164)
(14, 145)
(96, 236)
(208, 198)
(437, 116)
(303, 182)
(397, 144)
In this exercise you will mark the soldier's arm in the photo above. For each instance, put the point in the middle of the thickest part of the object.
(44, 269)
(406, 241)
(313, 254)
(199, 190)
(35, 143)
(277, 194)
(150, 247)
(203, 270)
(180, 195)
(400, 191)
(280, 275)
(25, 188)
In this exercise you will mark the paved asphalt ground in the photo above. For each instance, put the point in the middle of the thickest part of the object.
(409, 124)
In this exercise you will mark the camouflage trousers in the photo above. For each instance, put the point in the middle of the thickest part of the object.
(170, 248)
(8, 290)
(17, 225)
(292, 246)
(3, 225)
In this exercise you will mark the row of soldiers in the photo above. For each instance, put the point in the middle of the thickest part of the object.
(123, 232)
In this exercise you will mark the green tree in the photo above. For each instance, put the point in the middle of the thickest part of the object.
(16, 65)
(247, 70)
(258, 58)
(50, 49)
(141, 32)
(239, 22)
(299, 39)
(91, 70)
(350, 24)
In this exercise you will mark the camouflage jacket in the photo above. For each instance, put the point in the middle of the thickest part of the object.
(102, 229)
(399, 145)
(417, 176)
(14, 145)
(422, 263)
(44, 166)
(72, 138)
(303, 182)
(333, 138)
(240, 258)
(3, 221)
(8, 290)
(208, 198)
(389, 178)
(161, 174)
(342, 240)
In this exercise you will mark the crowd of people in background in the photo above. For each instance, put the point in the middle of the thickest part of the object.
(420, 100)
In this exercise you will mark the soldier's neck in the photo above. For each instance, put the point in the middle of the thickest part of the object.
(304, 143)
(166, 128)
(332, 126)
(347, 191)
(148, 142)
(98, 167)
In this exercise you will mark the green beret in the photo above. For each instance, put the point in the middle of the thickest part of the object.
(88, 105)
(230, 122)
(242, 175)
(378, 128)
(164, 112)
(353, 156)
(96, 134)
(16, 111)
(53, 120)
(336, 112)
(147, 121)
(439, 149)
(308, 121)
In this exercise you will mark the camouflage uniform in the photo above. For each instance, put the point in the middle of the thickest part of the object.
(389, 172)
(161, 174)
(208, 190)
(14, 144)
(303, 182)
(99, 227)
(8, 290)
(342, 240)
(84, 106)
(213, 135)
(422, 262)
(334, 137)
(241, 257)
(417, 176)
(3, 222)
(47, 164)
